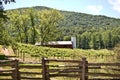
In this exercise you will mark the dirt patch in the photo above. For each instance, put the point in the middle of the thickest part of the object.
(7, 52)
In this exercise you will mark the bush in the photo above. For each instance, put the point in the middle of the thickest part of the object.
(2, 56)
(117, 52)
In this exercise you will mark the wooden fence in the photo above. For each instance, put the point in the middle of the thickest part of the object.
(64, 68)
(104, 71)
(8, 70)
(53, 68)
(12, 70)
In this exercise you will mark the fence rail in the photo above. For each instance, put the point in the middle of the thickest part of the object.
(52, 68)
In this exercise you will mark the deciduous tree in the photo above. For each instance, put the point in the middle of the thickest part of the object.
(49, 20)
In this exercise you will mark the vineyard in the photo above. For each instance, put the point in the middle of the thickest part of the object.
(27, 51)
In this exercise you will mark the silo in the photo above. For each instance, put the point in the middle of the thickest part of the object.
(73, 40)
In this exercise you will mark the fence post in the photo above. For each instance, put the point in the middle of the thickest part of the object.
(84, 69)
(16, 75)
(44, 71)
(23, 57)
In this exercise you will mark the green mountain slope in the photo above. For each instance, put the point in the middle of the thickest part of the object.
(75, 19)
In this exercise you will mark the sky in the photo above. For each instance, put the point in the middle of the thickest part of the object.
(110, 8)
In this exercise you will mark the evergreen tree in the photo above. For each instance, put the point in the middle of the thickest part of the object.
(110, 42)
(101, 42)
(95, 42)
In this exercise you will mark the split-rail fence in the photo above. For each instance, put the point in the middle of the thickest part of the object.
(50, 69)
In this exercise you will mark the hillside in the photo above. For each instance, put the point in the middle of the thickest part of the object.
(77, 19)
(87, 20)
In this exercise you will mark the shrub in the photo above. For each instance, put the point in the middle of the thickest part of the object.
(117, 52)
(2, 56)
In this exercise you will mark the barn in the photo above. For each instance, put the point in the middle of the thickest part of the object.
(60, 44)
(57, 44)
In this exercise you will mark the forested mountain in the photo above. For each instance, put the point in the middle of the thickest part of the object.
(75, 19)
(91, 31)
(85, 20)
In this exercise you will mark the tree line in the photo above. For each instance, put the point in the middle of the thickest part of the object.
(93, 38)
